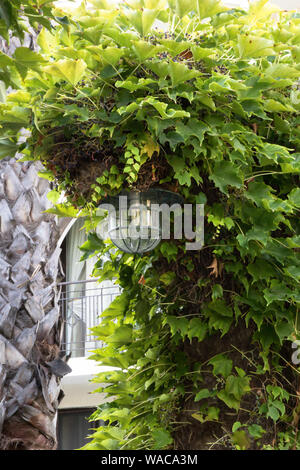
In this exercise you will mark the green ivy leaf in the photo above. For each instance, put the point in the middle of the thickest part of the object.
(224, 175)
(144, 50)
(67, 69)
(92, 245)
(178, 325)
(267, 336)
(6, 12)
(256, 431)
(235, 388)
(117, 307)
(228, 399)
(164, 111)
(27, 59)
(210, 8)
(221, 365)
(241, 440)
(53, 196)
(192, 127)
(261, 269)
(162, 439)
(204, 393)
(122, 335)
(142, 19)
(275, 106)
(294, 197)
(236, 426)
(180, 73)
(250, 45)
(260, 193)
(273, 413)
(217, 291)
(133, 85)
(168, 277)
(15, 117)
(5, 60)
(197, 329)
(63, 210)
(7, 148)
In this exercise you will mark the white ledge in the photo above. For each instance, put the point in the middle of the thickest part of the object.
(77, 385)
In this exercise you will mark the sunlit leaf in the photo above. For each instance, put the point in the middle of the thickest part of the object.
(68, 69)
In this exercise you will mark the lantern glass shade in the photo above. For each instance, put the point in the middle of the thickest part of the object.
(135, 224)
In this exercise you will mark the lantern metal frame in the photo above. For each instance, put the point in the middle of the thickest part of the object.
(141, 199)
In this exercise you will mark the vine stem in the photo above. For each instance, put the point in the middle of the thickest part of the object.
(218, 440)
(244, 355)
(147, 368)
(287, 362)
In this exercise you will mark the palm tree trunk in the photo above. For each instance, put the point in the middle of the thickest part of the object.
(30, 324)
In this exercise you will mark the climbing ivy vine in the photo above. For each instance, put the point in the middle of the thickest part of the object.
(203, 100)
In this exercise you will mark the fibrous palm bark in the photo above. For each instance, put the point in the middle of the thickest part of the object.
(30, 324)
(29, 41)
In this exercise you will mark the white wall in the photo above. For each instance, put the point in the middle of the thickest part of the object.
(77, 386)
(287, 4)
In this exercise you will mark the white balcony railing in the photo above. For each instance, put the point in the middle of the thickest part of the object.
(81, 303)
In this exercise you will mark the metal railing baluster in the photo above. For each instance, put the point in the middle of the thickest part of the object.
(80, 308)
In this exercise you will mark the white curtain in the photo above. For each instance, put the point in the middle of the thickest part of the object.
(75, 271)
(97, 299)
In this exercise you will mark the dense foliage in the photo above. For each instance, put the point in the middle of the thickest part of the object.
(204, 102)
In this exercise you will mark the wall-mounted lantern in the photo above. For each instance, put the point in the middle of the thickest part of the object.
(134, 222)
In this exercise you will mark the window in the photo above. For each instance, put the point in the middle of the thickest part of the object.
(73, 428)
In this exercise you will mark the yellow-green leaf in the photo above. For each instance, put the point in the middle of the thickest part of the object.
(70, 70)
